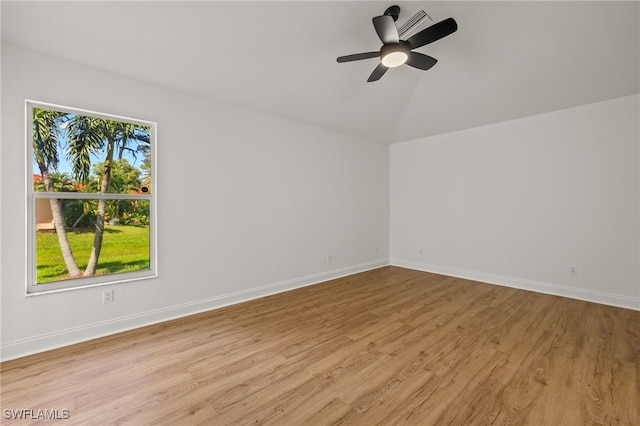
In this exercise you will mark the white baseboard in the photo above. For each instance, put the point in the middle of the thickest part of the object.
(61, 338)
(539, 287)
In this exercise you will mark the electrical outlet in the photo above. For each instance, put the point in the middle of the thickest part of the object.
(329, 257)
(573, 270)
(107, 296)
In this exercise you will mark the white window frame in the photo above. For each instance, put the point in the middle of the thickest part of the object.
(32, 288)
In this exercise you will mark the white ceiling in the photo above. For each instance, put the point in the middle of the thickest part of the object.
(507, 59)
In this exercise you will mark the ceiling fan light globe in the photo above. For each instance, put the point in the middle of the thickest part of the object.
(394, 59)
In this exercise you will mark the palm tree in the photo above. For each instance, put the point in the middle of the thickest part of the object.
(46, 131)
(135, 133)
(125, 179)
(145, 167)
(88, 135)
(61, 182)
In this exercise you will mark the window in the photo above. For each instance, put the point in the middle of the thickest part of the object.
(91, 198)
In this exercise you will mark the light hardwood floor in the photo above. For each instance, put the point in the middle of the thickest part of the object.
(388, 346)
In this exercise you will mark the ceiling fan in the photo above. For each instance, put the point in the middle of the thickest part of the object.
(395, 52)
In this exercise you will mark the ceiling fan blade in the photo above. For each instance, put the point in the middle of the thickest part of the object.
(420, 61)
(377, 73)
(386, 29)
(433, 33)
(358, 56)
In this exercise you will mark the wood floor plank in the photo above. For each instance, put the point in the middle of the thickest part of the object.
(390, 346)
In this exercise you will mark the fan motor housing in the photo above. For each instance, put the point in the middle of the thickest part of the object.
(402, 46)
(394, 48)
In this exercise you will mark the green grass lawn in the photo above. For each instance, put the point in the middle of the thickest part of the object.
(124, 248)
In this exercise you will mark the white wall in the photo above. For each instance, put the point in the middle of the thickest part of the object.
(262, 201)
(517, 203)
(249, 204)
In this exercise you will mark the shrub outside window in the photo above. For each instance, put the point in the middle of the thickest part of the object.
(91, 198)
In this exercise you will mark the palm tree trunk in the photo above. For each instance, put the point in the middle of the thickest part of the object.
(58, 222)
(97, 240)
(63, 241)
(102, 208)
(121, 150)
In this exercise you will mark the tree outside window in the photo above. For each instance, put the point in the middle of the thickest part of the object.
(92, 205)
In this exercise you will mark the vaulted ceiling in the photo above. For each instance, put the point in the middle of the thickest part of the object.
(507, 59)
